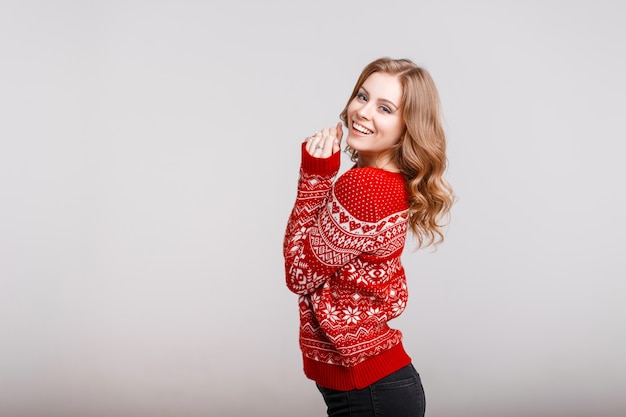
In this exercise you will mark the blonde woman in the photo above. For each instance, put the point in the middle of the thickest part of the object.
(345, 237)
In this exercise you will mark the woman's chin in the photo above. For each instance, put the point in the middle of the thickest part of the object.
(352, 142)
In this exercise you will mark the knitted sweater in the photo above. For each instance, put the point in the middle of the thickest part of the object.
(342, 251)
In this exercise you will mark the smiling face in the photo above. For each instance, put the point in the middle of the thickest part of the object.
(374, 119)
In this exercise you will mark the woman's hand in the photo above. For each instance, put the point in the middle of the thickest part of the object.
(325, 143)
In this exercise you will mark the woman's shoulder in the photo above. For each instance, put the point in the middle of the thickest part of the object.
(372, 192)
(372, 179)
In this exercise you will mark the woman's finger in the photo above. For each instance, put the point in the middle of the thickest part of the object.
(326, 142)
(311, 142)
(339, 135)
(323, 144)
(318, 150)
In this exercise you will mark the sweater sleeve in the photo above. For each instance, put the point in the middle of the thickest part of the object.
(329, 227)
(314, 185)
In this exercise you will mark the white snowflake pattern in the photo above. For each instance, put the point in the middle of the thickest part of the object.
(331, 312)
(399, 306)
(315, 299)
(351, 315)
(373, 311)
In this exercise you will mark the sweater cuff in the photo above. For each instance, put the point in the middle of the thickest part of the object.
(320, 166)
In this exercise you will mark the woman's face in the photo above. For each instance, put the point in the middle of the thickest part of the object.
(374, 118)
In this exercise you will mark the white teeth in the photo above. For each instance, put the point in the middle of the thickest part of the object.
(361, 129)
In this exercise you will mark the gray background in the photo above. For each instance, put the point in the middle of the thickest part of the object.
(148, 162)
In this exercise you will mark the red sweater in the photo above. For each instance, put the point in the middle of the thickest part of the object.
(342, 252)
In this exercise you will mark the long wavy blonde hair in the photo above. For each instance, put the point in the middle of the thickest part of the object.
(420, 154)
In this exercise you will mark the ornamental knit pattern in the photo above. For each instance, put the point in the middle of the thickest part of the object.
(342, 251)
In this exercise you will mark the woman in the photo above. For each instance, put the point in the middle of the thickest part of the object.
(344, 238)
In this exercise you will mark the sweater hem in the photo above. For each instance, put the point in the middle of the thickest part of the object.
(363, 374)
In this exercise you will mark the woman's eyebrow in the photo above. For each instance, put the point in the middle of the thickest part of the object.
(380, 99)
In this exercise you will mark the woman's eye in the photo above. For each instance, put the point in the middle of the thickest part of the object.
(361, 97)
(385, 109)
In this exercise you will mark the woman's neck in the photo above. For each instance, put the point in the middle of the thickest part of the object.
(380, 161)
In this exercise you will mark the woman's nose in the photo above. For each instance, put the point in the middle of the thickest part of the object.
(364, 112)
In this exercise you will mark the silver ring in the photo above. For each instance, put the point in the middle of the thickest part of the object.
(318, 147)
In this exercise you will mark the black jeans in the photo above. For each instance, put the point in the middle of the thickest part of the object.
(397, 395)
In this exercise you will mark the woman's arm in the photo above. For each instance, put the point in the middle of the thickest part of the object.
(314, 186)
(355, 218)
